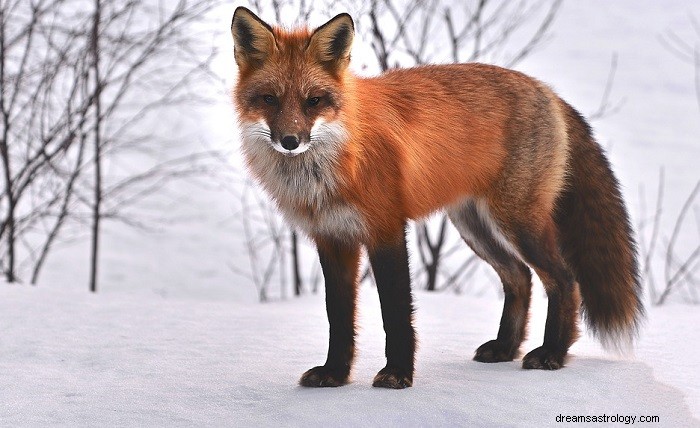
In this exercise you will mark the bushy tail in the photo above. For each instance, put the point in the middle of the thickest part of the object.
(597, 242)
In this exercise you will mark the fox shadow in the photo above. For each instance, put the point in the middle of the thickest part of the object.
(586, 386)
(469, 393)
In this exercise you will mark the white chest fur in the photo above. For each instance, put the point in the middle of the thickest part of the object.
(308, 180)
(337, 220)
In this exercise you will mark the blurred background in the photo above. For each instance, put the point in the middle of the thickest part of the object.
(120, 161)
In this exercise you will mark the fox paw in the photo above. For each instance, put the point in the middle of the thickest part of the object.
(494, 351)
(322, 376)
(543, 359)
(392, 377)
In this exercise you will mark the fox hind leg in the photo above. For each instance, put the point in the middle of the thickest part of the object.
(541, 251)
(479, 233)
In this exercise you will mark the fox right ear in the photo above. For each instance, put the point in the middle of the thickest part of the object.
(252, 37)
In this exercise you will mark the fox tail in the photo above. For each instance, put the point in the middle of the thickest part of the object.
(597, 242)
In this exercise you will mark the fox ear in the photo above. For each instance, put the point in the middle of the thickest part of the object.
(252, 37)
(332, 42)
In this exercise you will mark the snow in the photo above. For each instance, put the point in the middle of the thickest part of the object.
(73, 359)
(176, 338)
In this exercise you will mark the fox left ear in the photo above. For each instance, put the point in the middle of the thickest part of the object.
(332, 42)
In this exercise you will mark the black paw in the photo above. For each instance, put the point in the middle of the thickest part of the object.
(543, 359)
(494, 351)
(392, 377)
(322, 376)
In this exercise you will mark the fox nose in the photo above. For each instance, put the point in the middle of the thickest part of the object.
(290, 142)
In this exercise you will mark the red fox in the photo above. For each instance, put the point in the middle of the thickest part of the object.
(349, 160)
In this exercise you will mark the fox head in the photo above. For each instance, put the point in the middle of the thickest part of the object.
(289, 95)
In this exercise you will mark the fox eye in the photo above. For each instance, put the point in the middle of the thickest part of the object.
(270, 100)
(313, 101)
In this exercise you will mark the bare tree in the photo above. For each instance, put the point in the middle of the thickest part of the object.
(679, 269)
(97, 143)
(37, 65)
(79, 78)
(133, 39)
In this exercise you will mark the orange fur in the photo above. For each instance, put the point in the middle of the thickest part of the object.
(419, 145)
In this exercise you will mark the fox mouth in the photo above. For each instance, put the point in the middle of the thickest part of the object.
(328, 137)
(291, 153)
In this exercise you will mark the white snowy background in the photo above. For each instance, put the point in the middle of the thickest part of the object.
(176, 338)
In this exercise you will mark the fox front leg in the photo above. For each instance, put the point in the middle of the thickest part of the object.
(391, 271)
(340, 265)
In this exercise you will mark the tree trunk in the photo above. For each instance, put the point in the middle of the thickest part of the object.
(295, 261)
(97, 205)
(432, 276)
(5, 153)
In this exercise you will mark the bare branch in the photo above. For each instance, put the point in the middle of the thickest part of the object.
(605, 108)
(671, 279)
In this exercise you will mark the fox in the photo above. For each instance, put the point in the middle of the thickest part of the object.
(351, 160)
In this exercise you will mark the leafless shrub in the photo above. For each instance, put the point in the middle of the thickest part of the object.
(607, 107)
(270, 244)
(679, 268)
(685, 50)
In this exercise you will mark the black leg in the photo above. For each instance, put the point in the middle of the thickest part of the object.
(391, 272)
(481, 236)
(516, 279)
(560, 331)
(340, 263)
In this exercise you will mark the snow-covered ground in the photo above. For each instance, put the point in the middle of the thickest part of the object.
(175, 337)
(72, 359)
